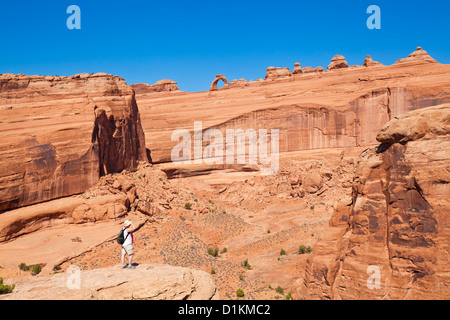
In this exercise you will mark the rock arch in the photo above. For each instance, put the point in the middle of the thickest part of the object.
(214, 83)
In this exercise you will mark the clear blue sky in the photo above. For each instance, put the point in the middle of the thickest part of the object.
(192, 41)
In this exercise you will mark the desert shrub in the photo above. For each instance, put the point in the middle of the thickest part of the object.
(213, 251)
(241, 277)
(36, 269)
(312, 207)
(24, 267)
(4, 288)
(303, 249)
(279, 290)
(187, 206)
(212, 271)
(224, 250)
(246, 265)
(239, 293)
(289, 296)
(282, 252)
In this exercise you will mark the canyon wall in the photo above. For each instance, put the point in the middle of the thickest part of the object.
(341, 108)
(60, 134)
(390, 240)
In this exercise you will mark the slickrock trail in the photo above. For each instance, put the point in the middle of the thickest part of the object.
(362, 179)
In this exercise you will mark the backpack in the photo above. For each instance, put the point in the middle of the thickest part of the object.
(120, 238)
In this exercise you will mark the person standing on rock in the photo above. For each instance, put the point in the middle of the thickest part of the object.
(127, 246)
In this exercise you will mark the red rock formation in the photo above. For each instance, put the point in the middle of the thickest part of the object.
(308, 70)
(397, 221)
(60, 134)
(273, 73)
(297, 68)
(165, 85)
(418, 56)
(338, 62)
(216, 80)
(368, 62)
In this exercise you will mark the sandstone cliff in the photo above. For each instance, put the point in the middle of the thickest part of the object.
(390, 240)
(60, 134)
(343, 108)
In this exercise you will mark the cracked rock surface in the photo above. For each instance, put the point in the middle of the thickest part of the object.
(146, 282)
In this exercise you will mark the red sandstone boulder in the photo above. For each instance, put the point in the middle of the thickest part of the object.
(273, 73)
(338, 62)
(165, 85)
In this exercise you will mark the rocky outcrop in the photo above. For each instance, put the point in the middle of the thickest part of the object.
(273, 73)
(309, 70)
(146, 282)
(369, 62)
(390, 240)
(297, 68)
(338, 62)
(112, 198)
(237, 83)
(216, 80)
(165, 85)
(418, 56)
(62, 133)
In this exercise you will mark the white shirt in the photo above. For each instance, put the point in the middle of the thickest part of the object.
(128, 238)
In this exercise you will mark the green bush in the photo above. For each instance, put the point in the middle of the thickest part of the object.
(246, 265)
(224, 250)
(24, 267)
(303, 249)
(4, 288)
(36, 269)
(188, 206)
(282, 252)
(213, 252)
(289, 296)
(239, 293)
(279, 290)
(213, 271)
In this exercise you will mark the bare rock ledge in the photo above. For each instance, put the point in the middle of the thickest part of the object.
(146, 282)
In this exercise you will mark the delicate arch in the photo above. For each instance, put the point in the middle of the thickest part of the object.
(214, 83)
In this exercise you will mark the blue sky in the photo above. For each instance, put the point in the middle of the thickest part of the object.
(192, 41)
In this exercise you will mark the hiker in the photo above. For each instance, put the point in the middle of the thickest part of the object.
(127, 246)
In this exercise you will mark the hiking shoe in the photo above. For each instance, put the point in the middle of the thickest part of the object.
(124, 266)
(131, 267)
